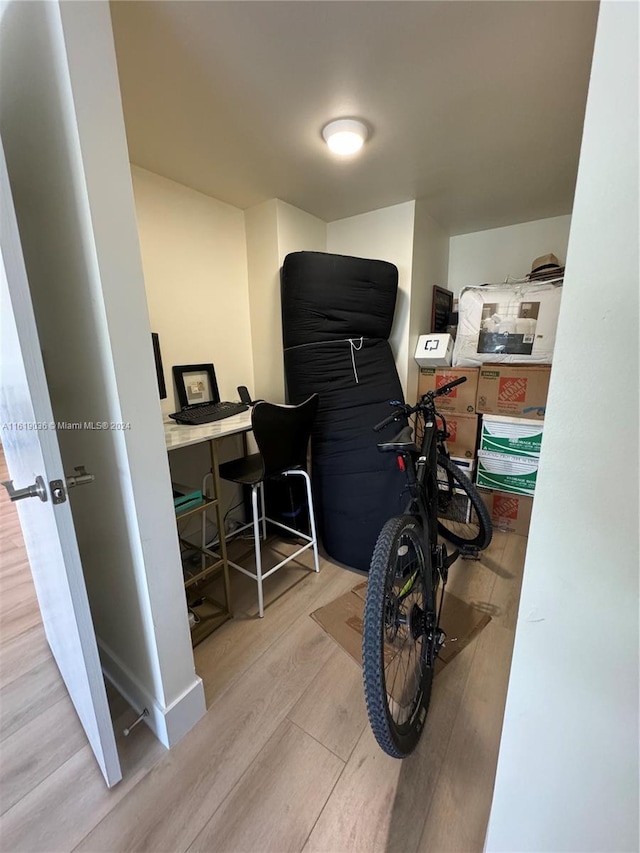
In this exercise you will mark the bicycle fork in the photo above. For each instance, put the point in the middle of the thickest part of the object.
(443, 562)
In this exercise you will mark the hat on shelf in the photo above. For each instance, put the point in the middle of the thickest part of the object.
(546, 266)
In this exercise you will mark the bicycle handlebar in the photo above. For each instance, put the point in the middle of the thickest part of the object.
(402, 410)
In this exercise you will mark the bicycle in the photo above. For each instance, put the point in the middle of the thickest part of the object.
(401, 633)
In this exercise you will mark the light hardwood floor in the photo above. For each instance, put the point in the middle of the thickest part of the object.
(284, 759)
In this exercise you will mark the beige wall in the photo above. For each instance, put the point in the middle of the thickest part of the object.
(387, 235)
(430, 267)
(194, 258)
(274, 229)
(195, 268)
(491, 256)
(264, 301)
(299, 231)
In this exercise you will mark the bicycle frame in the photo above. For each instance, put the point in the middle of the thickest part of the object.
(421, 472)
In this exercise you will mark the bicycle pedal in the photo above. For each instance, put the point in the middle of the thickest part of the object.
(470, 554)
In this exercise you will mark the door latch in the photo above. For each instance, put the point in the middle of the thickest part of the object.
(81, 477)
(58, 489)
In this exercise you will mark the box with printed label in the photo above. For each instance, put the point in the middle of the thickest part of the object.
(463, 434)
(459, 506)
(434, 350)
(507, 323)
(514, 474)
(513, 391)
(509, 513)
(514, 436)
(461, 399)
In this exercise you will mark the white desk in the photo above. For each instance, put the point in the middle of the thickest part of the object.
(182, 435)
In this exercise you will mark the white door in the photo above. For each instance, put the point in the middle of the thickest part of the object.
(33, 458)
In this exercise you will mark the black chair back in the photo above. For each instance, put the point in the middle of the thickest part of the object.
(282, 434)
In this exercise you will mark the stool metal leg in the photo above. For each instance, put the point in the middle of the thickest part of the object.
(264, 515)
(312, 520)
(256, 539)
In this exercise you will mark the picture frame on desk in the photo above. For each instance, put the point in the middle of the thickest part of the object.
(441, 308)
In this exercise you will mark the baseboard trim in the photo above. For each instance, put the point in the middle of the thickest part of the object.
(169, 724)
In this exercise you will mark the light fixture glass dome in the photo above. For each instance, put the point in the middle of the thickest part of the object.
(345, 136)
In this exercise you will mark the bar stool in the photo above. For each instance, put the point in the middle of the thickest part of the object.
(282, 435)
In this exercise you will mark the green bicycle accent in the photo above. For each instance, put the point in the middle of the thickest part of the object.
(406, 589)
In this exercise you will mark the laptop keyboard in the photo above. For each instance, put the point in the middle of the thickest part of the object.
(206, 414)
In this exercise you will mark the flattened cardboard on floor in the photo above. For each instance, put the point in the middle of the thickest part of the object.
(342, 618)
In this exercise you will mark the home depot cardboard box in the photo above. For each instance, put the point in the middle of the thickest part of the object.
(512, 390)
(510, 513)
(515, 436)
(463, 435)
(462, 399)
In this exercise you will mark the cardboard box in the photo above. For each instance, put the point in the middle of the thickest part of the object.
(434, 350)
(513, 390)
(509, 513)
(463, 435)
(513, 474)
(462, 399)
(514, 436)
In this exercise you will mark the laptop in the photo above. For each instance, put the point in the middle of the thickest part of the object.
(199, 397)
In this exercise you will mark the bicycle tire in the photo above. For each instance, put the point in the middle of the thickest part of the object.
(393, 564)
(463, 519)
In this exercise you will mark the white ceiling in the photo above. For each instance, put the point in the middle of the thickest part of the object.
(476, 107)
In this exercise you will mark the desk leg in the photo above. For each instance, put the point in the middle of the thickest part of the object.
(213, 446)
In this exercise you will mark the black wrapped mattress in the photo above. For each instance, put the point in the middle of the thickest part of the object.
(337, 316)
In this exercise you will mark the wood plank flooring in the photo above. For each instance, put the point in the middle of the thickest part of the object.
(284, 759)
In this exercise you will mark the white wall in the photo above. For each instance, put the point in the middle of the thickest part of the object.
(491, 256)
(73, 198)
(430, 266)
(387, 235)
(568, 770)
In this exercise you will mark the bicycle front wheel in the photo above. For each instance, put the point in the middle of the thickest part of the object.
(463, 518)
(399, 624)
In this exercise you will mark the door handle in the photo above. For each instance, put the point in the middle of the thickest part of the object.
(37, 490)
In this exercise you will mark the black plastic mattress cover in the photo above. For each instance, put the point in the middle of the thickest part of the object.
(356, 488)
(327, 297)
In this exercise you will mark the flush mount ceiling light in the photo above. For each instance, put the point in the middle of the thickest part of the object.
(345, 135)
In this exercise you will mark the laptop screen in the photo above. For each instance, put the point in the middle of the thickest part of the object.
(196, 385)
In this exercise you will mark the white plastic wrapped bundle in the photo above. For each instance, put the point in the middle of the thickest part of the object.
(507, 323)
